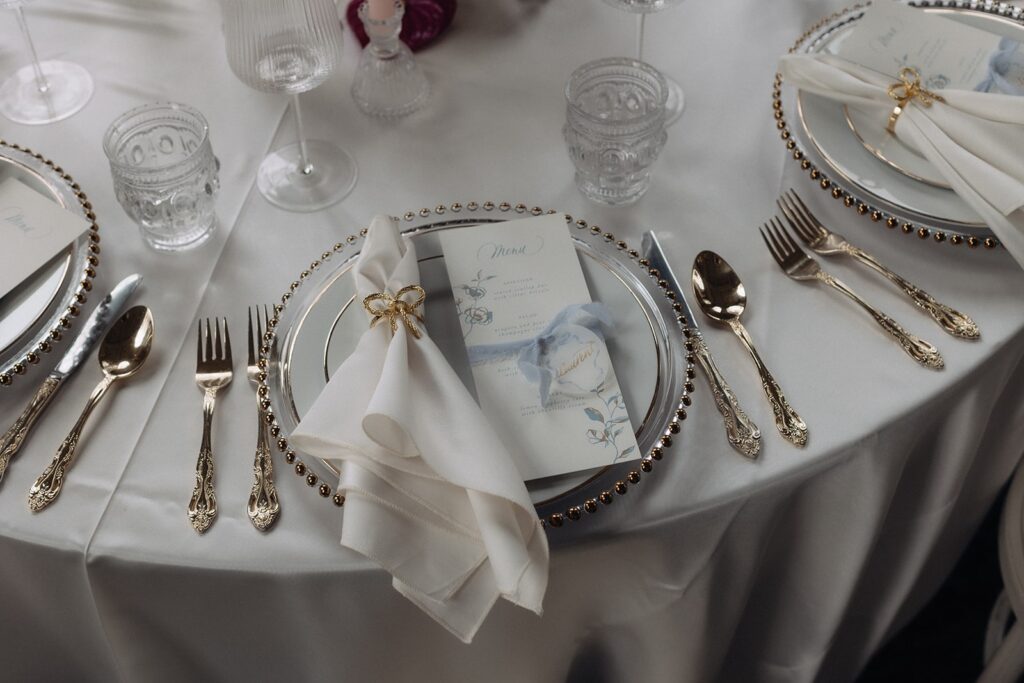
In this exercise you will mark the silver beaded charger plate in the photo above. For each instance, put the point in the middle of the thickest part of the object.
(37, 312)
(319, 322)
(881, 183)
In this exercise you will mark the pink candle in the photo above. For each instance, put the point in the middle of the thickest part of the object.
(380, 10)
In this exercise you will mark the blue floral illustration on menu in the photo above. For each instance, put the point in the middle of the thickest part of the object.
(472, 312)
(612, 421)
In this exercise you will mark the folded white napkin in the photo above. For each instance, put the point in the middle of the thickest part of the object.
(431, 494)
(974, 139)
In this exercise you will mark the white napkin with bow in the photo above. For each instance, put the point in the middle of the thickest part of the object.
(431, 494)
(974, 139)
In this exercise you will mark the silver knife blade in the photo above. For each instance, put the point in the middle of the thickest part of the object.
(653, 252)
(108, 310)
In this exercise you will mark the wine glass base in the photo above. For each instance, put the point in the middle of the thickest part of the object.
(69, 88)
(675, 103)
(283, 184)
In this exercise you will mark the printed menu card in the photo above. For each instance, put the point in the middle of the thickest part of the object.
(535, 341)
(33, 229)
(946, 53)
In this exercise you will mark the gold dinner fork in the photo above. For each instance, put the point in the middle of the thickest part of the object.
(213, 372)
(799, 266)
(827, 243)
(263, 507)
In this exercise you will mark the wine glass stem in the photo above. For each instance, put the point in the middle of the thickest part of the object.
(40, 78)
(640, 35)
(305, 167)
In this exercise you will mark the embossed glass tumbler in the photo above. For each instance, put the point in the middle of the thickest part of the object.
(615, 127)
(291, 46)
(42, 91)
(165, 173)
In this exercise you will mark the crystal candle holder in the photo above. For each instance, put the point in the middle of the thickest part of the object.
(388, 82)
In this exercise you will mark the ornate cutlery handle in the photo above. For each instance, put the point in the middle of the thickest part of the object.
(790, 425)
(740, 430)
(202, 507)
(956, 323)
(263, 506)
(11, 442)
(50, 483)
(917, 348)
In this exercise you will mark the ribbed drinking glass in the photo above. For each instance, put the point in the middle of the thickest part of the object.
(291, 46)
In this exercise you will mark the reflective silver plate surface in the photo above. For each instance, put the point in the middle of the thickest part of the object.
(322, 323)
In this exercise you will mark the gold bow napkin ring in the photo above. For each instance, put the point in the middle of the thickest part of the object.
(398, 307)
(908, 89)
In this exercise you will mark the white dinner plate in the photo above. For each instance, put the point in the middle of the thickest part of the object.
(870, 131)
(889, 174)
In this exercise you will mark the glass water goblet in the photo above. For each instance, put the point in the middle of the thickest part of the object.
(676, 99)
(291, 46)
(42, 92)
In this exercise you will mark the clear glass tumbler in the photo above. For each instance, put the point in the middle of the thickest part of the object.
(615, 127)
(165, 173)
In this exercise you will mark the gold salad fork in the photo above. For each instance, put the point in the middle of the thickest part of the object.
(827, 243)
(213, 372)
(799, 266)
(263, 507)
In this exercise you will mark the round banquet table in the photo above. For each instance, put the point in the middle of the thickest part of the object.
(796, 567)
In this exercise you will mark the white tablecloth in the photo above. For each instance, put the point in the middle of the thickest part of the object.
(796, 567)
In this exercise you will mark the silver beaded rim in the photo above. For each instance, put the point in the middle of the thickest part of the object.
(831, 185)
(573, 512)
(81, 293)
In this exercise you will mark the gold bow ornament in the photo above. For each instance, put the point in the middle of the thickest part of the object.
(400, 307)
(907, 90)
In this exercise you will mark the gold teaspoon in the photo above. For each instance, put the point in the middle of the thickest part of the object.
(722, 297)
(123, 351)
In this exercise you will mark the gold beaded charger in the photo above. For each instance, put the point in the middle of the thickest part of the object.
(880, 184)
(317, 323)
(37, 313)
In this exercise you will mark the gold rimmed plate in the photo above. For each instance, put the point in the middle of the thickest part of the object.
(869, 129)
(869, 125)
(320, 326)
(36, 313)
(853, 150)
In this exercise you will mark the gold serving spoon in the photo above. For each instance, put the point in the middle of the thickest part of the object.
(123, 351)
(722, 297)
